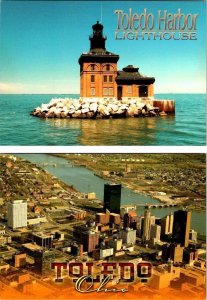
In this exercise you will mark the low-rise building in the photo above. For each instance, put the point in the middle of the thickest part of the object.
(31, 248)
(43, 239)
(87, 236)
(115, 218)
(162, 276)
(190, 256)
(5, 239)
(91, 196)
(193, 276)
(35, 221)
(4, 267)
(20, 260)
(106, 252)
(116, 244)
(2, 230)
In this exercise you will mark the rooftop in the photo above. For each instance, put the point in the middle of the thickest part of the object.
(32, 247)
(132, 73)
(42, 234)
(18, 201)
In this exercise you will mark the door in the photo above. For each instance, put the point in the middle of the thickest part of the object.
(119, 92)
(143, 91)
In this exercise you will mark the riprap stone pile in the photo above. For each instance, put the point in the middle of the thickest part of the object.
(96, 109)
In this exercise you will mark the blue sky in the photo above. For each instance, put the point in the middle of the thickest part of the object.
(41, 41)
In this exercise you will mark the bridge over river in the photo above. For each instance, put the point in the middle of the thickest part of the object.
(150, 205)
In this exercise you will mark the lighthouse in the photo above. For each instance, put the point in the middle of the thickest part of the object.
(98, 68)
(105, 91)
(100, 78)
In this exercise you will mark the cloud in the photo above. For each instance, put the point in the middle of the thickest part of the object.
(52, 87)
(11, 88)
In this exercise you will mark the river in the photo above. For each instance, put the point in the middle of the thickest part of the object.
(85, 181)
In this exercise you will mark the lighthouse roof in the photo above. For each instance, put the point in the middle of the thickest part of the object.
(98, 51)
(132, 74)
(97, 26)
(98, 55)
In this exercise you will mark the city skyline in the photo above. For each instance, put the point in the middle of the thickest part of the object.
(40, 48)
(61, 225)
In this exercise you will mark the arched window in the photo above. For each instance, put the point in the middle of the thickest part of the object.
(107, 67)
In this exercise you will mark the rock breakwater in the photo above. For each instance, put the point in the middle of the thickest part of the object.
(100, 108)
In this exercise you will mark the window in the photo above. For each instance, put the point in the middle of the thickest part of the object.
(92, 67)
(105, 91)
(111, 91)
(105, 78)
(92, 78)
(92, 91)
(129, 89)
(110, 78)
(107, 67)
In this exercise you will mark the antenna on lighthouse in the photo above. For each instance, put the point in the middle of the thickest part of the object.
(101, 12)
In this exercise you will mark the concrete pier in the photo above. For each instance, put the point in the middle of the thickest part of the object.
(168, 106)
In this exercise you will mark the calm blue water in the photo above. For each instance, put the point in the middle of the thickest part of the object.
(17, 127)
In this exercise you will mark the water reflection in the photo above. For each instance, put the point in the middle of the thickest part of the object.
(129, 131)
(188, 127)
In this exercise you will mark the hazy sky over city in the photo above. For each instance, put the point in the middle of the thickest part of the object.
(41, 41)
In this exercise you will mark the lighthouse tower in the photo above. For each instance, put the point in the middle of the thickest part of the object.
(98, 68)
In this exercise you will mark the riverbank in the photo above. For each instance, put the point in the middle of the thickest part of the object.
(85, 182)
(149, 178)
(95, 108)
(26, 180)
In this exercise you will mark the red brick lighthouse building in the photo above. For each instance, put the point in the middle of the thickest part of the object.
(99, 77)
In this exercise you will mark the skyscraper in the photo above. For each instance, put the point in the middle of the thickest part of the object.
(171, 220)
(130, 219)
(181, 227)
(155, 231)
(173, 252)
(148, 221)
(112, 197)
(167, 225)
(17, 214)
(193, 236)
(43, 260)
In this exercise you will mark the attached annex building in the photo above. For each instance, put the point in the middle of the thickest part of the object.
(99, 77)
